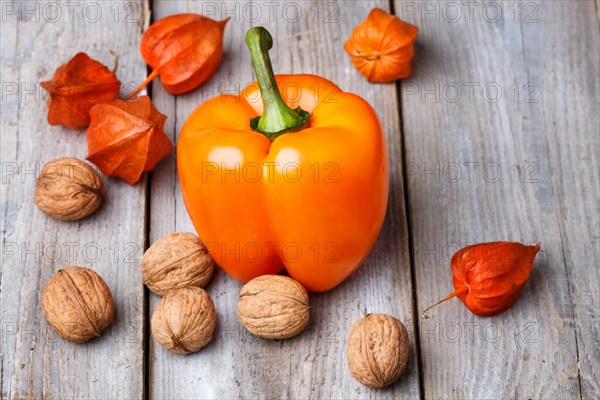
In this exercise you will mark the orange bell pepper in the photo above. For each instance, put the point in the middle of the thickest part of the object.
(299, 182)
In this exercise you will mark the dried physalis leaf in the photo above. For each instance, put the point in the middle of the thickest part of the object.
(488, 277)
(126, 139)
(184, 49)
(381, 48)
(76, 87)
(68, 189)
(78, 304)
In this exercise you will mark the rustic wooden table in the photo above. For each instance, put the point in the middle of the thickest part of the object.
(496, 136)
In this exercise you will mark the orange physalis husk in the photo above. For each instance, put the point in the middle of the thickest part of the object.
(126, 138)
(76, 87)
(381, 47)
(184, 49)
(488, 277)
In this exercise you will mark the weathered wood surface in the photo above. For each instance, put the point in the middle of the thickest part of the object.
(542, 138)
(312, 365)
(36, 363)
(519, 166)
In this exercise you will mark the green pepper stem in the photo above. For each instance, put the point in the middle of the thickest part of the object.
(277, 118)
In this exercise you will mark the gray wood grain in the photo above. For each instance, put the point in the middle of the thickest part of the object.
(571, 117)
(312, 365)
(542, 138)
(35, 362)
(544, 142)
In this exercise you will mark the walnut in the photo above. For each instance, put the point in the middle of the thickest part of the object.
(175, 261)
(78, 304)
(184, 320)
(377, 350)
(68, 189)
(273, 307)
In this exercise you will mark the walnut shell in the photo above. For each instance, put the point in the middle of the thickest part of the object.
(377, 350)
(68, 189)
(176, 261)
(273, 307)
(78, 304)
(184, 320)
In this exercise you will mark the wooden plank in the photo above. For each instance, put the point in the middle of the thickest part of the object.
(572, 124)
(37, 37)
(522, 166)
(312, 365)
